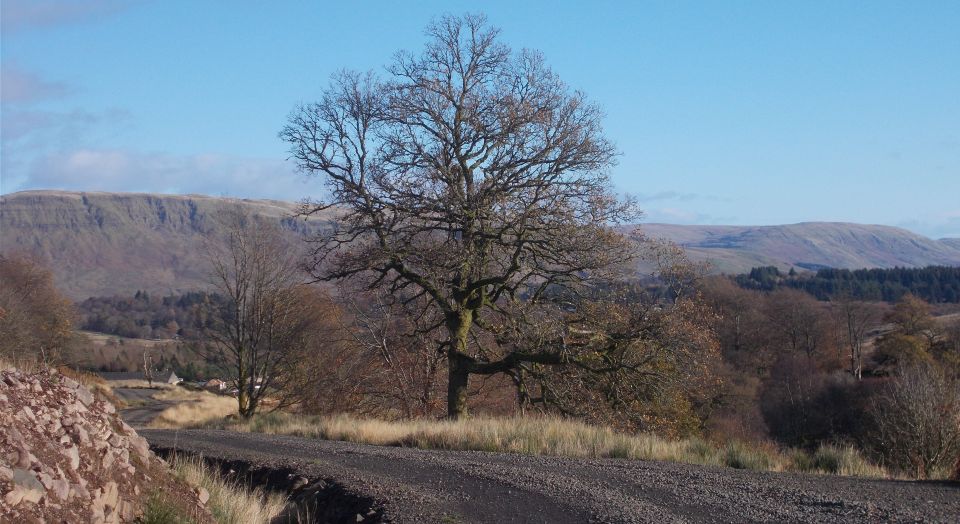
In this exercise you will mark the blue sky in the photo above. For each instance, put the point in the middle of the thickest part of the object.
(724, 112)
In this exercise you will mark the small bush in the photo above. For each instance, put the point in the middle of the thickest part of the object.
(829, 459)
(835, 460)
(801, 461)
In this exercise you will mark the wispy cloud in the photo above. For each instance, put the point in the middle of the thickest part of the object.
(676, 215)
(18, 15)
(20, 86)
(22, 123)
(122, 170)
(666, 195)
(945, 224)
(677, 196)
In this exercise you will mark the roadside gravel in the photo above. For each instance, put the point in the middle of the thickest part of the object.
(412, 485)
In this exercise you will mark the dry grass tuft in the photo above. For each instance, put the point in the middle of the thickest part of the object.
(230, 503)
(195, 408)
(559, 437)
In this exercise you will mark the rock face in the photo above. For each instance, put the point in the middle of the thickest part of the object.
(101, 244)
(65, 456)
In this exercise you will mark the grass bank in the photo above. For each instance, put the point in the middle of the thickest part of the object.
(230, 503)
(558, 437)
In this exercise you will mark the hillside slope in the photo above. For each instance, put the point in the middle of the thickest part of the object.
(118, 243)
(808, 245)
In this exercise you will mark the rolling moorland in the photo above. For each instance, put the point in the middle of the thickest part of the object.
(101, 244)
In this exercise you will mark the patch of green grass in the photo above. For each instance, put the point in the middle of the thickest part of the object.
(160, 510)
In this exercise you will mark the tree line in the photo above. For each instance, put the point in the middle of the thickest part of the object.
(934, 284)
(803, 372)
(146, 316)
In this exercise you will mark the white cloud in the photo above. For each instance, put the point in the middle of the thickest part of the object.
(133, 171)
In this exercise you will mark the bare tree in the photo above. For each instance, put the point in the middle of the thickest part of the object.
(326, 371)
(472, 180)
(408, 355)
(36, 321)
(148, 366)
(796, 316)
(917, 418)
(856, 317)
(263, 318)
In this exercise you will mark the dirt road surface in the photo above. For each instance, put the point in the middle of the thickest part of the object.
(412, 485)
(145, 407)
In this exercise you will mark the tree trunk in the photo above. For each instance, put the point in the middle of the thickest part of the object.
(458, 363)
(243, 402)
(457, 385)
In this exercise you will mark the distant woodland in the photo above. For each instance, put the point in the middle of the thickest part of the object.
(934, 284)
(146, 316)
(181, 315)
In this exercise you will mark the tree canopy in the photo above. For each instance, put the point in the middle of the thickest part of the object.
(471, 179)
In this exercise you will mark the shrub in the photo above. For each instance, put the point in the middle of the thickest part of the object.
(917, 421)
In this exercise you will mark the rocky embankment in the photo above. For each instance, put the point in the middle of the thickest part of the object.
(65, 456)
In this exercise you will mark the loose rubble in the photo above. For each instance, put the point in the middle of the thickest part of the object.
(65, 455)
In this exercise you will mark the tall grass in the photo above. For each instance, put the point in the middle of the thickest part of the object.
(230, 502)
(558, 437)
(195, 408)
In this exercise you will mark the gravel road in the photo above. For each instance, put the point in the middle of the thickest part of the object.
(146, 409)
(411, 485)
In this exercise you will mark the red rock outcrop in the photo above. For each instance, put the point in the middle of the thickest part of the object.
(65, 455)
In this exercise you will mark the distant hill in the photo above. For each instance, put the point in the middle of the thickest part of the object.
(117, 243)
(808, 245)
(952, 242)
